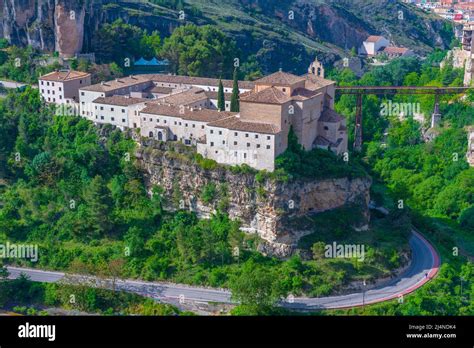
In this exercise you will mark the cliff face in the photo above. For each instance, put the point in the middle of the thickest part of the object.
(67, 26)
(268, 29)
(267, 208)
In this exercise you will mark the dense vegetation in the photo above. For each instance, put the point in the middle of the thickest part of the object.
(432, 178)
(75, 191)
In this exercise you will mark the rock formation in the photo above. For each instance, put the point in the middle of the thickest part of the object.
(268, 208)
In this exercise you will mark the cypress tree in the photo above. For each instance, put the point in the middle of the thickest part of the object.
(234, 101)
(220, 97)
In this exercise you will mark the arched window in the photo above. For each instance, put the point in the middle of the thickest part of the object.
(150, 134)
(160, 136)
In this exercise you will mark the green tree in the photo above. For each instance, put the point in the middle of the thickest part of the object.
(220, 97)
(234, 101)
(257, 289)
(200, 51)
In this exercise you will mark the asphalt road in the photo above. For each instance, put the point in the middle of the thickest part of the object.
(424, 266)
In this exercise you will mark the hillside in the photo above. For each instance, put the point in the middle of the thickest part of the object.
(267, 29)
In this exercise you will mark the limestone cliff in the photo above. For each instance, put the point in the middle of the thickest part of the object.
(266, 29)
(265, 207)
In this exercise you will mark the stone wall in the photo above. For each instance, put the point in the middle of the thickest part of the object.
(266, 208)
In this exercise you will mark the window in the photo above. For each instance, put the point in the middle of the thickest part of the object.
(112, 118)
(111, 109)
(164, 121)
(60, 89)
(246, 135)
(235, 134)
(235, 153)
(194, 126)
(157, 120)
(223, 142)
(144, 118)
(326, 128)
(102, 108)
(245, 155)
(268, 137)
(42, 91)
(235, 143)
(212, 143)
(80, 82)
(268, 147)
(185, 124)
(248, 144)
(42, 83)
(123, 120)
(175, 123)
(258, 146)
(220, 132)
(101, 117)
(212, 131)
(151, 119)
(202, 127)
(123, 111)
(284, 89)
(256, 136)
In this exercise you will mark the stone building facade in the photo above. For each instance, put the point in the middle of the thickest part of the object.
(181, 108)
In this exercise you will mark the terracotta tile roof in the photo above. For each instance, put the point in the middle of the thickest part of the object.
(159, 90)
(373, 38)
(303, 94)
(280, 78)
(203, 115)
(330, 116)
(186, 97)
(395, 50)
(213, 95)
(235, 123)
(123, 82)
(269, 95)
(203, 81)
(64, 75)
(314, 82)
(119, 100)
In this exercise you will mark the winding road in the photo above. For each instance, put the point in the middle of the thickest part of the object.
(424, 266)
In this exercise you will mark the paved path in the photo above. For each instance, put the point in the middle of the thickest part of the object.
(424, 266)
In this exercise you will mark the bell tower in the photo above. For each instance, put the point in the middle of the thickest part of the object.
(316, 68)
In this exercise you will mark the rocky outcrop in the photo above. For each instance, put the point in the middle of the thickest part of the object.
(266, 29)
(266, 207)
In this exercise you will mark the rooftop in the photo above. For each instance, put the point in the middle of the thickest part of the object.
(269, 95)
(395, 50)
(119, 100)
(280, 78)
(203, 81)
(203, 115)
(314, 82)
(119, 83)
(64, 75)
(235, 123)
(374, 38)
(186, 97)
